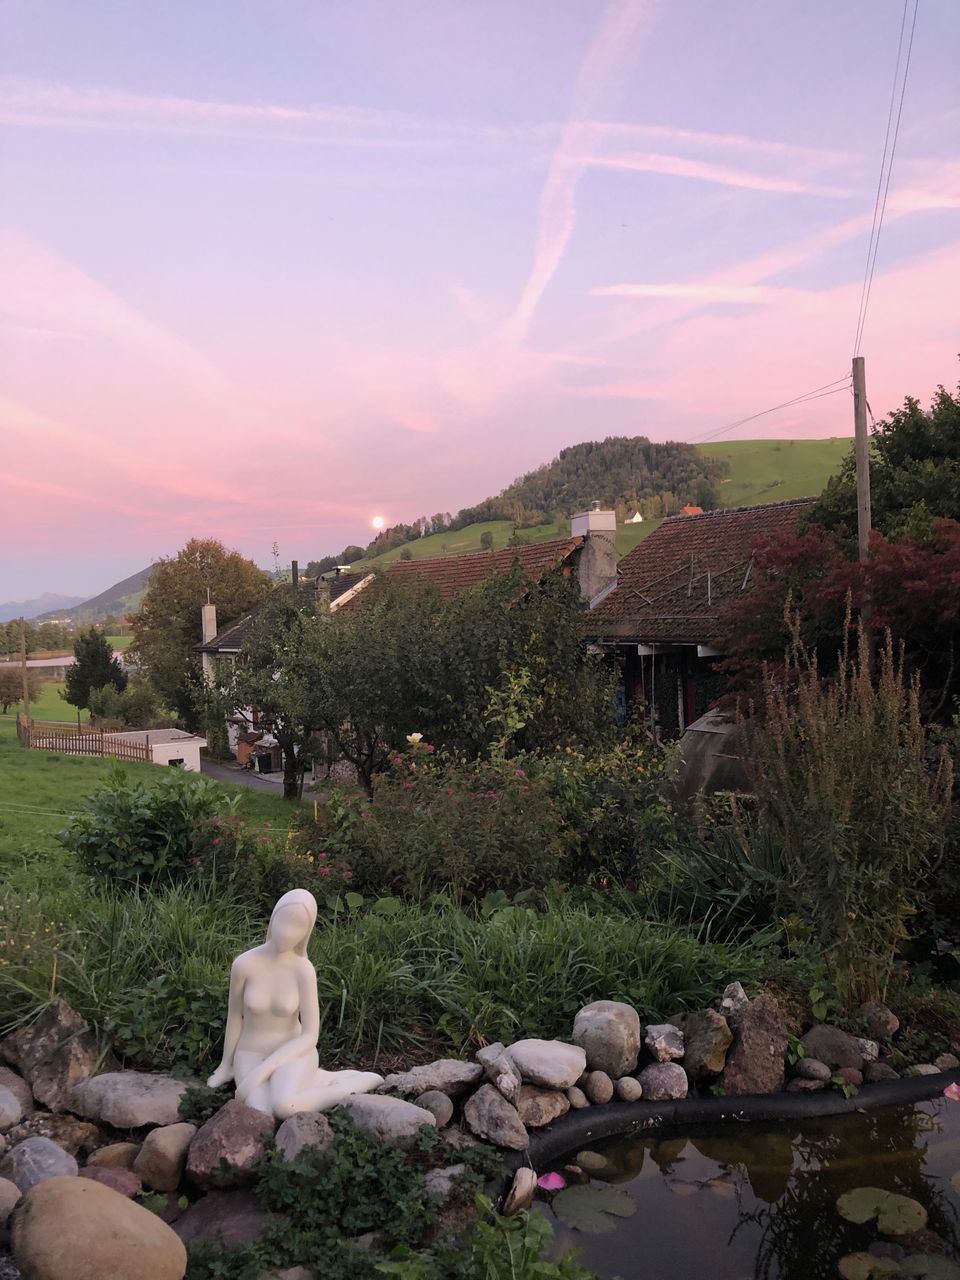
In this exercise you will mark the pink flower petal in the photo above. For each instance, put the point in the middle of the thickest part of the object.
(551, 1181)
(952, 1091)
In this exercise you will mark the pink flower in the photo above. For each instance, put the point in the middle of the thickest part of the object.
(217, 840)
(489, 794)
(952, 1091)
(519, 773)
(324, 871)
(551, 1182)
(321, 855)
(267, 824)
(408, 786)
(449, 791)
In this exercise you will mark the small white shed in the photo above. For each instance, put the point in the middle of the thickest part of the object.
(166, 746)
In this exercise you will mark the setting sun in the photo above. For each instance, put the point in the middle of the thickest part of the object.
(378, 522)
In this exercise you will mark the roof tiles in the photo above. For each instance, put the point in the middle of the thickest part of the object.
(453, 574)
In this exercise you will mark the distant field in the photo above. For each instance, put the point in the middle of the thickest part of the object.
(776, 470)
(121, 642)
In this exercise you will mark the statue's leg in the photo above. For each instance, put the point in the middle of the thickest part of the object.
(302, 1086)
(261, 1097)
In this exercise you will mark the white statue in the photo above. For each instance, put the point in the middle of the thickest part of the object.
(273, 1022)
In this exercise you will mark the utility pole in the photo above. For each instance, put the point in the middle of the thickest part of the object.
(862, 446)
(23, 672)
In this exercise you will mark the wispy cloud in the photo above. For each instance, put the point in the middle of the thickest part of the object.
(698, 292)
(703, 171)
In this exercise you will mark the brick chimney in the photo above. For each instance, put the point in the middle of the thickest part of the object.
(597, 562)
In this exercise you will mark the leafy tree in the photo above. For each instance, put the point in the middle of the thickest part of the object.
(136, 706)
(167, 628)
(486, 540)
(350, 554)
(11, 686)
(94, 667)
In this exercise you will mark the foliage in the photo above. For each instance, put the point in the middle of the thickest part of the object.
(135, 707)
(167, 627)
(94, 668)
(11, 686)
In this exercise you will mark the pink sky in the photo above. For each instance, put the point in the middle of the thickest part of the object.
(265, 275)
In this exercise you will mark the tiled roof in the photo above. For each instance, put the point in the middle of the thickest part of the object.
(230, 639)
(672, 586)
(453, 574)
(340, 582)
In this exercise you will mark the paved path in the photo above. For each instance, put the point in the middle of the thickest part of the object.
(272, 782)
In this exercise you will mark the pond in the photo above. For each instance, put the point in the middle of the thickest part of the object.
(761, 1203)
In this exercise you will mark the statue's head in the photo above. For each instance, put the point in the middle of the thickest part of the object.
(292, 921)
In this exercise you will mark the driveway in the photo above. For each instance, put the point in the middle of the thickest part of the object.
(272, 782)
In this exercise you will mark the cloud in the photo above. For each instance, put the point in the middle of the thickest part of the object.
(682, 167)
(698, 292)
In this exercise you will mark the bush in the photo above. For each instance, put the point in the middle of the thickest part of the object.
(135, 706)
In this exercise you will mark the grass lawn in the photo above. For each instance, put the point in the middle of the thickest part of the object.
(121, 642)
(777, 470)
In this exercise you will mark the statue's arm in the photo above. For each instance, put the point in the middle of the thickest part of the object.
(231, 1035)
(300, 1045)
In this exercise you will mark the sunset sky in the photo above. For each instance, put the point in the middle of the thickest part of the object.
(267, 269)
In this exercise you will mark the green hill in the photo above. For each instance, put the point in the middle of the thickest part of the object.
(763, 471)
(117, 601)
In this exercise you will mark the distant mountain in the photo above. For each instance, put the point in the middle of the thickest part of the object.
(49, 602)
(120, 599)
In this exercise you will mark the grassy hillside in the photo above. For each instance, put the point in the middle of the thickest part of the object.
(776, 470)
(119, 600)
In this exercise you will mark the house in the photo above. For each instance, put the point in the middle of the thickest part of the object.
(691, 511)
(636, 518)
(659, 624)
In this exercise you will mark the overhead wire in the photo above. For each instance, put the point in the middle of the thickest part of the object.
(818, 393)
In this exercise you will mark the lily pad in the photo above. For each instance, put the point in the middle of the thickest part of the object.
(592, 1209)
(864, 1266)
(896, 1215)
(929, 1266)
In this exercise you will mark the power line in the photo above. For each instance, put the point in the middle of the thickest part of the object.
(886, 168)
(816, 394)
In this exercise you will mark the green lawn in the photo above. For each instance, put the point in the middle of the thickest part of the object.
(121, 642)
(776, 470)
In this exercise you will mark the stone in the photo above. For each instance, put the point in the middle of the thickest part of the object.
(946, 1062)
(500, 1069)
(129, 1099)
(869, 1049)
(663, 1081)
(11, 1112)
(459, 1139)
(234, 1137)
(548, 1063)
(577, 1098)
(628, 1089)
(392, 1120)
(733, 1003)
(124, 1181)
(707, 1037)
(489, 1115)
(10, 1193)
(813, 1069)
(116, 1155)
(448, 1075)
(35, 1160)
(802, 1084)
(881, 1023)
(227, 1217)
(755, 1062)
(595, 1164)
(77, 1137)
(664, 1042)
(163, 1156)
(598, 1087)
(538, 1107)
(608, 1031)
(835, 1047)
(851, 1076)
(76, 1229)
(441, 1182)
(521, 1193)
(918, 1069)
(438, 1104)
(53, 1054)
(877, 1072)
(18, 1087)
(307, 1130)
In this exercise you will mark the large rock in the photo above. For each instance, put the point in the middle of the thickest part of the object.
(537, 1107)
(834, 1047)
(227, 1217)
(76, 1229)
(115, 1155)
(392, 1120)
(228, 1146)
(755, 1063)
(34, 1161)
(10, 1193)
(879, 1072)
(707, 1037)
(53, 1054)
(663, 1082)
(501, 1070)
(11, 1111)
(18, 1087)
(609, 1033)
(880, 1022)
(489, 1115)
(124, 1181)
(548, 1063)
(447, 1075)
(162, 1159)
(306, 1130)
(129, 1099)
(77, 1137)
(664, 1042)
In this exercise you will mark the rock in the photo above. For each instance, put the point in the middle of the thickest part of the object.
(628, 1089)
(851, 1076)
(458, 1138)
(548, 1063)
(53, 1054)
(577, 1098)
(11, 1112)
(392, 1120)
(922, 1069)
(598, 1087)
(441, 1182)
(877, 1072)
(947, 1062)
(538, 1107)
(117, 1155)
(663, 1081)
(834, 1047)
(609, 1033)
(664, 1042)
(305, 1130)
(10, 1193)
(448, 1075)
(755, 1060)
(35, 1160)
(76, 1137)
(596, 1165)
(76, 1229)
(521, 1193)
(813, 1069)
(805, 1084)
(500, 1069)
(733, 1003)
(869, 1049)
(124, 1181)
(490, 1116)
(163, 1156)
(235, 1136)
(438, 1104)
(707, 1037)
(130, 1099)
(18, 1087)
(881, 1023)
(230, 1217)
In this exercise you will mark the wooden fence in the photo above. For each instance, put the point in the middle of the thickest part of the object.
(74, 740)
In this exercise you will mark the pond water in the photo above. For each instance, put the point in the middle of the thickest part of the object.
(761, 1203)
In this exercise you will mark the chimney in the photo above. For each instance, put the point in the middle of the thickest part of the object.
(208, 628)
(294, 574)
(597, 562)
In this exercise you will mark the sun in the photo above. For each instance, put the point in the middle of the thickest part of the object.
(378, 522)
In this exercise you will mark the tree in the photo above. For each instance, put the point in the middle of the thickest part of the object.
(94, 667)
(486, 540)
(167, 627)
(11, 686)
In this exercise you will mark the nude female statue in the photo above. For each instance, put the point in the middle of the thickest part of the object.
(273, 1022)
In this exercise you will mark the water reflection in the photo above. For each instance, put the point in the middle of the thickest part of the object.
(761, 1204)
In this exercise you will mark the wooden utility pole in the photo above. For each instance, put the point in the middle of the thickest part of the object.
(23, 672)
(862, 447)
